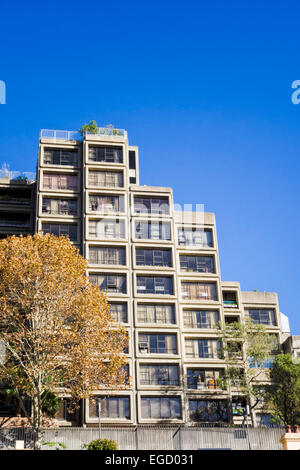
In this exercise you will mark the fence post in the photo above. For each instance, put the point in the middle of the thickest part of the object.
(136, 438)
(178, 431)
(247, 424)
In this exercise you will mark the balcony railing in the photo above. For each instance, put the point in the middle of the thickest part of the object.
(230, 303)
(154, 381)
(109, 131)
(157, 290)
(59, 135)
(208, 384)
(75, 135)
(156, 350)
(59, 211)
(14, 200)
(14, 223)
(190, 323)
(18, 177)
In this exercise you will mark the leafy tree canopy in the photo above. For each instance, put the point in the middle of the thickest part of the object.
(56, 330)
(91, 128)
(283, 395)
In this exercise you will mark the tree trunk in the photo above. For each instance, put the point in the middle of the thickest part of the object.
(36, 422)
(252, 413)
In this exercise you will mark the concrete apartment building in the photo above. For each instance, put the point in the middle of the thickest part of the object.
(160, 269)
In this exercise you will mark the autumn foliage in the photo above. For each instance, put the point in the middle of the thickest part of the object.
(55, 325)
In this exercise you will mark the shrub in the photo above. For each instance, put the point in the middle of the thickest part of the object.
(91, 128)
(101, 444)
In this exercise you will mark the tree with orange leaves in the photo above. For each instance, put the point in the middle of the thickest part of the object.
(56, 330)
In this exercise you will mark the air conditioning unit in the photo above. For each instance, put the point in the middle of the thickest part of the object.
(143, 347)
(200, 386)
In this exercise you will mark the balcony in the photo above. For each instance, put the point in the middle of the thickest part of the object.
(157, 343)
(15, 196)
(162, 374)
(144, 348)
(155, 285)
(75, 135)
(14, 224)
(204, 379)
(230, 299)
(15, 220)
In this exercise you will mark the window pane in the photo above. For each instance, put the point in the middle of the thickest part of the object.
(160, 407)
(195, 237)
(60, 157)
(106, 154)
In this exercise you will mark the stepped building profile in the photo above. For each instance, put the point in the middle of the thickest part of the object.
(159, 267)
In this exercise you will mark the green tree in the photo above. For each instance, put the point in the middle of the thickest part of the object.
(283, 395)
(246, 348)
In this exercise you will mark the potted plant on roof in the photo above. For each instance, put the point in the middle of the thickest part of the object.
(91, 128)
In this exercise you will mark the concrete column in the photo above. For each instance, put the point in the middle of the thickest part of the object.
(291, 440)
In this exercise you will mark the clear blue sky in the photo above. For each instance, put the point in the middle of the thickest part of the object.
(202, 87)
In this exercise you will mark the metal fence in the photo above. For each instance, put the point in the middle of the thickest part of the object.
(231, 438)
(153, 438)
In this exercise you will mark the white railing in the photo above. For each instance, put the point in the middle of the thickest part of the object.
(75, 135)
(14, 175)
(59, 135)
(109, 131)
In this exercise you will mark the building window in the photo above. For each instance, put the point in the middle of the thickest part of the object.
(107, 255)
(59, 206)
(15, 196)
(110, 407)
(158, 374)
(198, 290)
(61, 230)
(60, 157)
(161, 407)
(119, 312)
(108, 229)
(106, 154)
(60, 181)
(107, 204)
(110, 179)
(203, 379)
(148, 205)
(255, 364)
(208, 410)
(202, 348)
(154, 285)
(151, 257)
(153, 230)
(155, 313)
(195, 237)
(111, 283)
(234, 350)
(157, 343)
(200, 318)
(199, 264)
(132, 160)
(63, 413)
(266, 420)
(261, 316)
(15, 220)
